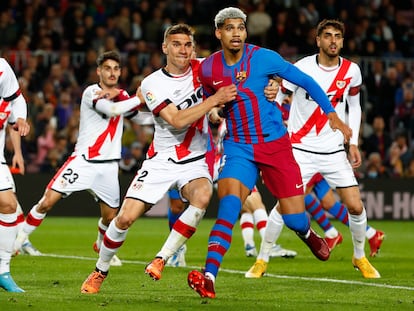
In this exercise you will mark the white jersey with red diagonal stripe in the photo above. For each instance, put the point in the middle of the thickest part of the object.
(161, 89)
(99, 136)
(5, 110)
(308, 126)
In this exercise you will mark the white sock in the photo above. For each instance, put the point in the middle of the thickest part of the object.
(260, 220)
(101, 231)
(331, 233)
(190, 219)
(28, 229)
(370, 232)
(273, 229)
(7, 236)
(357, 226)
(116, 235)
(247, 229)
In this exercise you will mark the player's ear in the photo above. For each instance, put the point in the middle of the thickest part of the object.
(217, 32)
(164, 48)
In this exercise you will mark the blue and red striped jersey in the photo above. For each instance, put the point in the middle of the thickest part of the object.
(251, 118)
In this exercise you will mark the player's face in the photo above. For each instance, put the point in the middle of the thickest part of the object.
(330, 42)
(179, 49)
(232, 34)
(109, 73)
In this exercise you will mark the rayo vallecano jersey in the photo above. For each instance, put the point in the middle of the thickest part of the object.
(5, 108)
(161, 89)
(9, 89)
(308, 126)
(99, 137)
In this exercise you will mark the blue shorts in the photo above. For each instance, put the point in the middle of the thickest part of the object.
(280, 172)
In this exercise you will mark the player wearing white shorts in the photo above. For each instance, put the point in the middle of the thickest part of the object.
(93, 165)
(319, 149)
(175, 157)
(13, 111)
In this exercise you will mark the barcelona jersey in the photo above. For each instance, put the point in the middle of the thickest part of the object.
(251, 118)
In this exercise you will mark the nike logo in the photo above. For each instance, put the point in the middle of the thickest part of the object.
(299, 186)
(217, 82)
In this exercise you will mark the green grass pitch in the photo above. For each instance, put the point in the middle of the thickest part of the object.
(52, 281)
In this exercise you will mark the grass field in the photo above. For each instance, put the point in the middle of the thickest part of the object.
(52, 282)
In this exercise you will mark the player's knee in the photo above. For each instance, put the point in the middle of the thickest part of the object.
(123, 222)
(297, 222)
(8, 206)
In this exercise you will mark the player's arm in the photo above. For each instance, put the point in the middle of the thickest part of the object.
(17, 118)
(270, 91)
(296, 76)
(111, 105)
(354, 120)
(17, 160)
(181, 118)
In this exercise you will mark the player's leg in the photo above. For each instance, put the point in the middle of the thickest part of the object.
(231, 193)
(113, 239)
(342, 177)
(314, 207)
(247, 223)
(175, 210)
(272, 232)
(107, 215)
(76, 174)
(198, 193)
(8, 231)
(36, 215)
(195, 184)
(27, 246)
(337, 209)
(286, 181)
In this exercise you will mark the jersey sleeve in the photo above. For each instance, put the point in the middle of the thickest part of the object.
(154, 96)
(9, 85)
(298, 77)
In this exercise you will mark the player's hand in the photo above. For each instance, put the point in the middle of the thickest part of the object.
(271, 90)
(354, 156)
(22, 127)
(139, 95)
(337, 124)
(18, 163)
(214, 116)
(224, 95)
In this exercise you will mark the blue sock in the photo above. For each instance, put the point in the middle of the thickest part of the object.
(313, 206)
(172, 218)
(299, 223)
(221, 233)
(340, 212)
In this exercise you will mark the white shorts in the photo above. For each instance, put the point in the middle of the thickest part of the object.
(335, 168)
(156, 176)
(6, 179)
(100, 178)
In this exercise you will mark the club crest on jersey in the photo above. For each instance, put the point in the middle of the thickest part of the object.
(149, 96)
(3, 116)
(340, 84)
(241, 75)
(63, 183)
(137, 186)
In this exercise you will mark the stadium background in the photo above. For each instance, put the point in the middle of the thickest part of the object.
(63, 38)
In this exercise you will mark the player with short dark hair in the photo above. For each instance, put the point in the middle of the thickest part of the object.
(94, 163)
(256, 140)
(316, 147)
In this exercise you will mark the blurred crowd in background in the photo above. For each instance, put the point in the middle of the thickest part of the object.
(53, 46)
